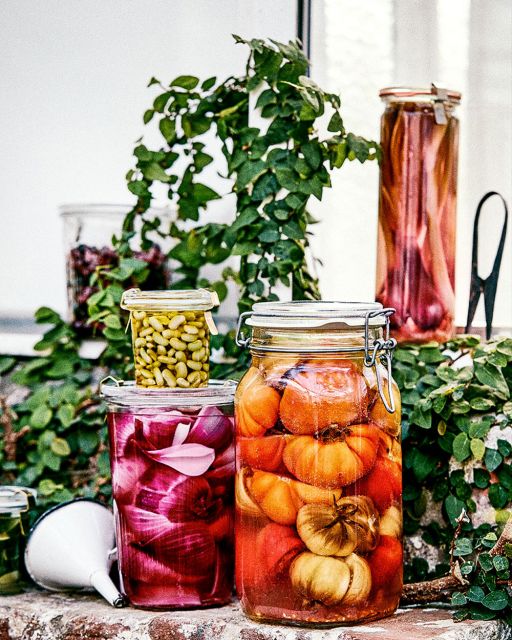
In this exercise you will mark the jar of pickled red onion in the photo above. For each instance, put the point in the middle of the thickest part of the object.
(319, 475)
(417, 211)
(173, 462)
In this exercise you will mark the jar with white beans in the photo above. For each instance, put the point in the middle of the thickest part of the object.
(171, 336)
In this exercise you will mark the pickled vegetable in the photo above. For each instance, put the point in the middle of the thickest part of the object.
(318, 492)
(171, 349)
(172, 483)
(416, 245)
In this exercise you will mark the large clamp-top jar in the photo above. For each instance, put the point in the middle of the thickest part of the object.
(418, 192)
(319, 476)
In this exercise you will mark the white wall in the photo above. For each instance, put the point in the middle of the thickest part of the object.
(73, 76)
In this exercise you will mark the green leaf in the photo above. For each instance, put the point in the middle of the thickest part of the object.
(41, 417)
(454, 508)
(168, 129)
(491, 376)
(60, 447)
(187, 82)
(481, 404)
(475, 593)
(112, 321)
(496, 600)
(208, 83)
(47, 487)
(498, 496)
(485, 561)
(500, 563)
(458, 599)
(88, 442)
(492, 459)
(47, 315)
(66, 414)
(249, 172)
(335, 123)
(477, 448)
(461, 447)
(463, 547)
(60, 369)
(6, 363)
(148, 116)
(155, 172)
(269, 235)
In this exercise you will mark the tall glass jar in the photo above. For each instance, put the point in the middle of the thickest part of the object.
(418, 192)
(88, 232)
(172, 459)
(318, 483)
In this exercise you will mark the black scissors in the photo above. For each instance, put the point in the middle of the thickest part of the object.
(486, 286)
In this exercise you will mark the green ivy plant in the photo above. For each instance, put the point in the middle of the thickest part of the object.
(456, 401)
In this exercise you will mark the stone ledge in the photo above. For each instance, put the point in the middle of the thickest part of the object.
(43, 616)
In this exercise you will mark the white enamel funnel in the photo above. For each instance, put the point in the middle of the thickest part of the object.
(70, 547)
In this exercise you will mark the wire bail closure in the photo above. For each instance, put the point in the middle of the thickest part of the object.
(380, 350)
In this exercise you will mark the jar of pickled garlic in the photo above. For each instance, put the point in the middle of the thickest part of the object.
(171, 336)
(319, 474)
(173, 462)
(15, 505)
(417, 222)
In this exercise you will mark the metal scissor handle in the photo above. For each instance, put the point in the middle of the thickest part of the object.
(486, 286)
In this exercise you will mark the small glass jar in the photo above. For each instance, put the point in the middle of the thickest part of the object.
(15, 504)
(417, 211)
(171, 336)
(319, 473)
(88, 232)
(172, 459)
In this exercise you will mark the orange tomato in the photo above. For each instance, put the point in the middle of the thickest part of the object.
(262, 453)
(383, 484)
(257, 405)
(386, 562)
(389, 448)
(323, 393)
(276, 547)
(348, 455)
(280, 498)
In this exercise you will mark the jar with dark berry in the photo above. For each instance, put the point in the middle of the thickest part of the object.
(88, 233)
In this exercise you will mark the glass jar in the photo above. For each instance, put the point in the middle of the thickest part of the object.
(171, 336)
(172, 459)
(417, 223)
(88, 232)
(15, 504)
(319, 482)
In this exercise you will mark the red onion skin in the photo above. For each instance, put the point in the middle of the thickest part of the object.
(212, 428)
(175, 530)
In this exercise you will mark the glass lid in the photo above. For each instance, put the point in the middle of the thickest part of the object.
(14, 498)
(316, 313)
(405, 93)
(126, 393)
(169, 300)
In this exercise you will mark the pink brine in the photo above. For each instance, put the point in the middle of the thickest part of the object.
(172, 482)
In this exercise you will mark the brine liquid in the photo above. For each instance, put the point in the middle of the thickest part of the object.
(172, 482)
(416, 240)
(318, 493)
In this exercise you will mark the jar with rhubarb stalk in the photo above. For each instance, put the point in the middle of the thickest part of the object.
(418, 192)
(173, 463)
(318, 478)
